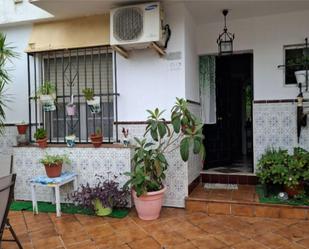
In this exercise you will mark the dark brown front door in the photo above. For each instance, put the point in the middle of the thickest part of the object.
(224, 139)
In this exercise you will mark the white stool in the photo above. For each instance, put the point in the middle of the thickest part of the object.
(55, 184)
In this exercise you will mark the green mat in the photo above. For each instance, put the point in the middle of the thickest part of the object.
(273, 199)
(47, 207)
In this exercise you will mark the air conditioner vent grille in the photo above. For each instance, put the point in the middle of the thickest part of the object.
(128, 24)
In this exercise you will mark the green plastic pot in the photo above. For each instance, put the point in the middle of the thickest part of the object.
(100, 210)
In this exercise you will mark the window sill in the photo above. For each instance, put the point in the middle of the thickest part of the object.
(115, 145)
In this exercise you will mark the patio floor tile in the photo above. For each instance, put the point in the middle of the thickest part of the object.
(176, 229)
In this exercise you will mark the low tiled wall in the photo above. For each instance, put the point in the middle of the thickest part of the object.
(86, 162)
(275, 125)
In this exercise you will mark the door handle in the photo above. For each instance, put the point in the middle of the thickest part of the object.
(220, 118)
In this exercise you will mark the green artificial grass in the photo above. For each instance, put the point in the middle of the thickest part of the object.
(46, 207)
(273, 198)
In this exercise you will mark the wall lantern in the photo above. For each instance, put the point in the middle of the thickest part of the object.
(225, 39)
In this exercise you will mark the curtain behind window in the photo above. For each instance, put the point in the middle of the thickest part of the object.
(208, 88)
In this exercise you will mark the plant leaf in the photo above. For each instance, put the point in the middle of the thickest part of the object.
(184, 148)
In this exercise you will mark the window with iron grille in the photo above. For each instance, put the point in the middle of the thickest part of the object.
(70, 71)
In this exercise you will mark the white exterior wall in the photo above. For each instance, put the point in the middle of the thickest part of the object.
(12, 13)
(18, 36)
(146, 81)
(191, 59)
(266, 36)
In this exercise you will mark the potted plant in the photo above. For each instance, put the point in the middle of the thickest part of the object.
(22, 128)
(70, 140)
(277, 167)
(71, 107)
(47, 95)
(92, 101)
(41, 137)
(102, 197)
(96, 138)
(53, 164)
(149, 161)
(301, 66)
(297, 172)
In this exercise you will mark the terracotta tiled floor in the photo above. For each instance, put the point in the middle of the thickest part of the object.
(244, 193)
(176, 229)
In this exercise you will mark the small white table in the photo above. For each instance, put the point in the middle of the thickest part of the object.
(55, 184)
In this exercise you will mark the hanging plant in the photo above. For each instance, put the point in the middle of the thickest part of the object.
(71, 107)
(47, 96)
(92, 101)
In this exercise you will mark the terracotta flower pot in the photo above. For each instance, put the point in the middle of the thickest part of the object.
(42, 142)
(96, 140)
(149, 206)
(22, 128)
(53, 170)
(295, 190)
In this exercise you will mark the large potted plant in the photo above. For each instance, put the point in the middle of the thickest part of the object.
(6, 55)
(41, 137)
(47, 95)
(92, 101)
(102, 197)
(53, 164)
(149, 160)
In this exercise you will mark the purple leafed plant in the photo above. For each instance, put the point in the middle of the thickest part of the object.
(107, 191)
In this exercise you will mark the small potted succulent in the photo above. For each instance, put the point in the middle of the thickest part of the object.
(149, 161)
(22, 128)
(96, 138)
(92, 101)
(53, 164)
(47, 96)
(102, 197)
(41, 137)
(70, 139)
(71, 107)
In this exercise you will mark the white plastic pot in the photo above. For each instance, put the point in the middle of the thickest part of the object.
(301, 76)
(70, 140)
(48, 102)
(94, 105)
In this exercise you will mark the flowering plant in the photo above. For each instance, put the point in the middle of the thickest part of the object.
(107, 191)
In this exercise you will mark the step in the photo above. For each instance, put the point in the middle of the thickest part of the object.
(241, 202)
(232, 178)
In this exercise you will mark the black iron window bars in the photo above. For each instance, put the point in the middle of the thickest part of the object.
(70, 71)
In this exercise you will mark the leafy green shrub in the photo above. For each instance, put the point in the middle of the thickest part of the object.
(40, 133)
(278, 167)
(88, 92)
(150, 164)
(47, 88)
(54, 159)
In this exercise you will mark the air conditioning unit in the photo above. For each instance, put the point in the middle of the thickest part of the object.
(136, 26)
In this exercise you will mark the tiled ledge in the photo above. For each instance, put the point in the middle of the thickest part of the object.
(249, 209)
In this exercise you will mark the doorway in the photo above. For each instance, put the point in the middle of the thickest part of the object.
(229, 140)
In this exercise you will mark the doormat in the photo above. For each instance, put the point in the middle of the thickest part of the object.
(220, 186)
(68, 208)
(227, 170)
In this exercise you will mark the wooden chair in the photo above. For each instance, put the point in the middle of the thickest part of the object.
(7, 184)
